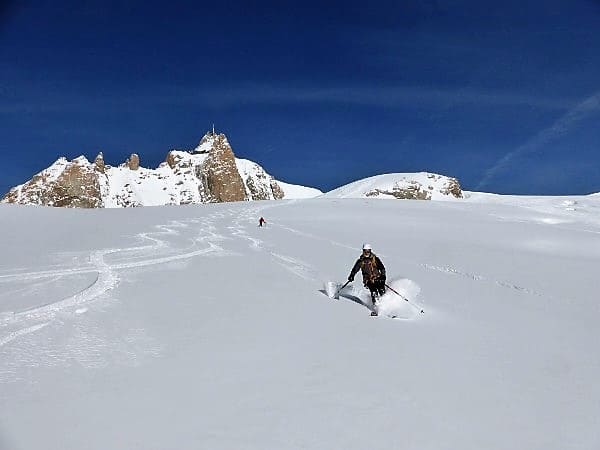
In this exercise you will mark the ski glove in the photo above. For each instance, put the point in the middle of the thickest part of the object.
(351, 278)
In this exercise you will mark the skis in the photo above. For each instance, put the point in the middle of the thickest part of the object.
(375, 314)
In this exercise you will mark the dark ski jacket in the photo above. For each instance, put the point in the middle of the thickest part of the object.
(371, 267)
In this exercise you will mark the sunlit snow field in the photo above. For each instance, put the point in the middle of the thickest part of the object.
(191, 327)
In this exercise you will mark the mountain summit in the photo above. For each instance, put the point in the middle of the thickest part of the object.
(210, 173)
(416, 186)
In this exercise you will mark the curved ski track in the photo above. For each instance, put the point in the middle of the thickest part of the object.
(159, 249)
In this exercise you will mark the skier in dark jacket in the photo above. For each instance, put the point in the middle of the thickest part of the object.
(373, 272)
(261, 221)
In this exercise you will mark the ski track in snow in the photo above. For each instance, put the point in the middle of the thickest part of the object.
(160, 249)
(107, 274)
(22, 332)
(308, 272)
(443, 269)
(297, 267)
(177, 240)
(305, 271)
(293, 265)
(475, 277)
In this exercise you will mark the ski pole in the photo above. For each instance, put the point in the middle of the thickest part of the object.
(403, 297)
(337, 294)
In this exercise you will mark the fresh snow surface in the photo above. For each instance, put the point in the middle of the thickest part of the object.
(149, 187)
(191, 327)
(387, 182)
(296, 191)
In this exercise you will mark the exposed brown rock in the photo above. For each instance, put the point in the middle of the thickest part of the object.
(277, 191)
(99, 163)
(414, 191)
(453, 188)
(219, 174)
(77, 186)
(257, 191)
(263, 187)
(209, 173)
(172, 159)
(133, 162)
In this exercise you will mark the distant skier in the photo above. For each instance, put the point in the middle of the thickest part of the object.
(373, 272)
(261, 221)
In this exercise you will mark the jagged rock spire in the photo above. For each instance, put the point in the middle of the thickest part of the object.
(210, 173)
(133, 162)
(99, 163)
(220, 175)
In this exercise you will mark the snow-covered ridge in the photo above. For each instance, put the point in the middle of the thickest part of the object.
(419, 186)
(209, 173)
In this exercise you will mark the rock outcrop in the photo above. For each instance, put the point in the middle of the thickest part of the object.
(453, 188)
(68, 184)
(410, 191)
(133, 162)
(208, 173)
(99, 163)
(258, 183)
(411, 186)
(219, 174)
(415, 190)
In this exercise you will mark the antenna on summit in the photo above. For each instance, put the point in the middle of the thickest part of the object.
(213, 129)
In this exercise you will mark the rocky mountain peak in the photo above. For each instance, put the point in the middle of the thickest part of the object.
(99, 163)
(209, 173)
(64, 183)
(208, 141)
(219, 172)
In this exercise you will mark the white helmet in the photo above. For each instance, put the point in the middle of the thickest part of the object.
(367, 247)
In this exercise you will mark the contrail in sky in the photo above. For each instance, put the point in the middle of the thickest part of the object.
(560, 127)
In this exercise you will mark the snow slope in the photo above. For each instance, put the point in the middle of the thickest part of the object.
(190, 327)
(295, 191)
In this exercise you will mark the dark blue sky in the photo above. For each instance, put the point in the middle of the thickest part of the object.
(503, 95)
